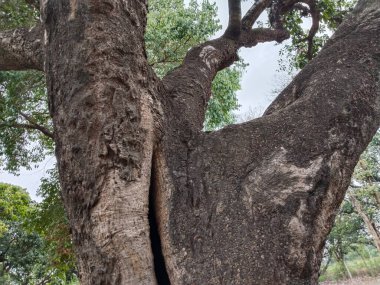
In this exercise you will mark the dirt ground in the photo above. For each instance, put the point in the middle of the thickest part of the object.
(356, 281)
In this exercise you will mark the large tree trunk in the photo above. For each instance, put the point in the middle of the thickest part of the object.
(101, 100)
(249, 204)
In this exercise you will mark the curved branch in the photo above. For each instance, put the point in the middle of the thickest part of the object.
(261, 35)
(40, 128)
(31, 125)
(21, 49)
(315, 14)
(254, 12)
(37, 126)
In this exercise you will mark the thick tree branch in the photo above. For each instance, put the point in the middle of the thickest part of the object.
(234, 24)
(261, 35)
(21, 49)
(253, 13)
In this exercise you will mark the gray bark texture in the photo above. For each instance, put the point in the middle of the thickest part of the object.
(151, 198)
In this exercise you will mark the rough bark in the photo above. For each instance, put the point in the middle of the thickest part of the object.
(101, 100)
(369, 224)
(249, 204)
(21, 49)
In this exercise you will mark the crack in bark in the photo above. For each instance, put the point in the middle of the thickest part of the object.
(155, 239)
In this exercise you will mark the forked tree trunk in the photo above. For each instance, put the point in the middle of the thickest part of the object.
(249, 204)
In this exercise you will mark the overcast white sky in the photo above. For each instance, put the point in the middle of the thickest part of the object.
(258, 82)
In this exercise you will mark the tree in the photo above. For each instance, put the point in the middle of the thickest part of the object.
(25, 256)
(364, 197)
(346, 235)
(248, 204)
(355, 225)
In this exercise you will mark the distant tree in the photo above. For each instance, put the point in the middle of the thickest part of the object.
(357, 222)
(25, 256)
(364, 197)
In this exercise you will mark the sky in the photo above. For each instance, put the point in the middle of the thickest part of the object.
(258, 83)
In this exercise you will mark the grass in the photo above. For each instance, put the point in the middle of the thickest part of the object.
(357, 266)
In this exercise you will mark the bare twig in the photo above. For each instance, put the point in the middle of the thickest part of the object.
(315, 14)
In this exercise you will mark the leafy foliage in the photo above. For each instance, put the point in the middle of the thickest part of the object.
(223, 100)
(24, 254)
(49, 221)
(16, 13)
(349, 233)
(332, 13)
(174, 28)
(23, 109)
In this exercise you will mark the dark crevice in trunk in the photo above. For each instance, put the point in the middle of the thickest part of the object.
(159, 261)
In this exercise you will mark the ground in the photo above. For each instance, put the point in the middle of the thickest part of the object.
(356, 281)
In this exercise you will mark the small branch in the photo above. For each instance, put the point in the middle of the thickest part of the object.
(315, 14)
(42, 129)
(36, 126)
(254, 13)
(32, 125)
(234, 24)
(21, 49)
(166, 57)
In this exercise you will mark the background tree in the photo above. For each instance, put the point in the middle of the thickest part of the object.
(356, 225)
(25, 256)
